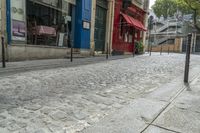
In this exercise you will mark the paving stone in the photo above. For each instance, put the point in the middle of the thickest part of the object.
(33, 107)
(55, 128)
(58, 115)
(15, 125)
(116, 105)
(102, 106)
(40, 131)
(80, 115)
(98, 89)
(3, 123)
(3, 130)
(46, 111)
(2, 117)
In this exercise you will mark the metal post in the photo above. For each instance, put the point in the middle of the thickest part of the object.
(69, 41)
(107, 51)
(134, 50)
(161, 50)
(3, 53)
(149, 41)
(187, 61)
(150, 49)
(150, 27)
(168, 50)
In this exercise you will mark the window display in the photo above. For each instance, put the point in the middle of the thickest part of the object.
(41, 22)
(49, 16)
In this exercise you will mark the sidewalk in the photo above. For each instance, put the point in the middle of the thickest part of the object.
(173, 108)
(22, 66)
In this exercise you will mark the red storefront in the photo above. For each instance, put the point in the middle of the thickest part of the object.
(128, 26)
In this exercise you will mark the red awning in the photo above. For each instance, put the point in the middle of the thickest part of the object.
(126, 17)
(134, 22)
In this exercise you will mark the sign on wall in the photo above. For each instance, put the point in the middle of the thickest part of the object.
(18, 20)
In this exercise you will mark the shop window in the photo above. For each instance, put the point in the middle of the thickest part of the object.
(130, 38)
(49, 22)
(42, 22)
(126, 36)
(131, 32)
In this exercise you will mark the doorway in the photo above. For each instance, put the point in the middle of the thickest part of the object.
(100, 25)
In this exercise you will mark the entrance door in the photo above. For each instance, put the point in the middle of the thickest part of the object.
(197, 49)
(100, 28)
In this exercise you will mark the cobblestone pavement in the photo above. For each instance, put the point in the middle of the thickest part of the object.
(71, 99)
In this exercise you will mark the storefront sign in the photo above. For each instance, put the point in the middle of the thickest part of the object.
(18, 28)
(86, 25)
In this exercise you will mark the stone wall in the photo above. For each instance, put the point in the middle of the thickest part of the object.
(31, 52)
(177, 47)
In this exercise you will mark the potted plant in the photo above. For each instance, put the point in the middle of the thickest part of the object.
(139, 47)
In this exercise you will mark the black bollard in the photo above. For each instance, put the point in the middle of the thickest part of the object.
(71, 53)
(161, 50)
(3, 53)
(150, 50)
(187, 61)
(107, 49)
(168, 50)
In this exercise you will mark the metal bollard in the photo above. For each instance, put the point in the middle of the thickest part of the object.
(3, 53)
(187, 61)
(168, 50)
(161, 50)
(134, 50)
(150, 50)
(107, 51)
(71, 56)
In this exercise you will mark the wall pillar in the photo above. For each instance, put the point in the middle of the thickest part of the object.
(3, 26)
(93, 14)
(109, 25)
(146, 25)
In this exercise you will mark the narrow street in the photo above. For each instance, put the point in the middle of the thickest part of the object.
(71, 99)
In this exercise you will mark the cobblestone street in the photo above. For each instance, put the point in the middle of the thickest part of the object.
(70, 99)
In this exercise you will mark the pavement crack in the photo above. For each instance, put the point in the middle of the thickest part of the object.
(165, 128)
(185, 87)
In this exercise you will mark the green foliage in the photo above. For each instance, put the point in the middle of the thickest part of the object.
(139, 47)
(193, 5)
(170, 7)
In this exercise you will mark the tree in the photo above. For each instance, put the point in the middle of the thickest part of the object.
(193, 5)
(164, 7)
(170, 7)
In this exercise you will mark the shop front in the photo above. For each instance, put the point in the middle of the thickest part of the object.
(40, 22)
(41, 29)
(128, 27)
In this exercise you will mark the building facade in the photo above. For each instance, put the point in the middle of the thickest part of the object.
(41, 29)
(129, 25)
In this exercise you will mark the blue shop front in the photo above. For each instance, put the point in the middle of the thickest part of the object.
(82, 23)
(54, 23)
